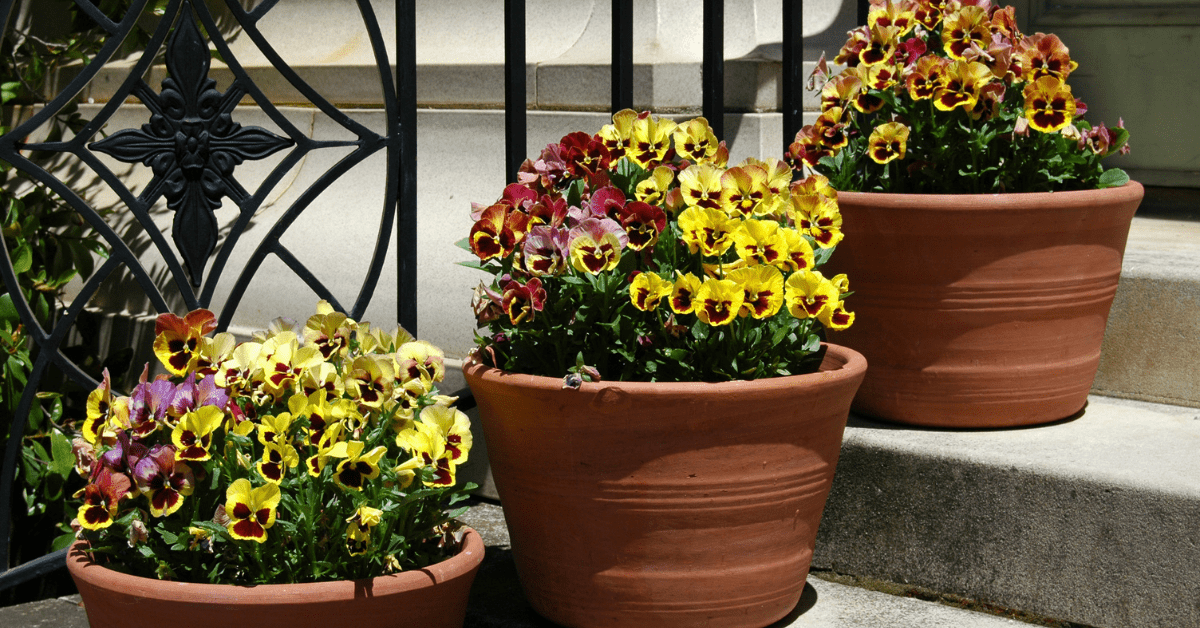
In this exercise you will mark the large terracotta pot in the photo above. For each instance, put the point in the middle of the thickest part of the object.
(433, 596)
(981, 310)
(662, 504)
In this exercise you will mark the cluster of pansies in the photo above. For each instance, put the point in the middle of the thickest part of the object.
(313, 452)
(943, 86)
(638, 252)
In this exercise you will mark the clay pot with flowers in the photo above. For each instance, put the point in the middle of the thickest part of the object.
(663, 419)
(988, 236)
(301, 478)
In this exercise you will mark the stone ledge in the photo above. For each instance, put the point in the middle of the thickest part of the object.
(1090, 520)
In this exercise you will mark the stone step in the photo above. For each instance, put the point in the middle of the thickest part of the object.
(1091, 520)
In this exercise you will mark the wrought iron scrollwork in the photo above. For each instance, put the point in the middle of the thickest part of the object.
(192, 144)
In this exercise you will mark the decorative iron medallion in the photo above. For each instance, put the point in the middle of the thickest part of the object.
(192, 144)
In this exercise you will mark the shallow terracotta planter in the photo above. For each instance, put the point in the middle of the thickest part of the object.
(657, 504)
(981, 310)
(434, 596)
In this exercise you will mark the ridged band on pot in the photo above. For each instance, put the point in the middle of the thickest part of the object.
(434, 596)
(665, 504)
(981, 310)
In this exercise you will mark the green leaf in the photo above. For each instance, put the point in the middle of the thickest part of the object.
(62, 541)
(8, 311)
(1113, 178)
(22, 258)
(63, 460)
(465, 244)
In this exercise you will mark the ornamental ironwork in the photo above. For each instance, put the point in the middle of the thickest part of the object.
(192, 144)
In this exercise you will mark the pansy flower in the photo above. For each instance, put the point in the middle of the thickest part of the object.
(808, 294)
(695, 141)
(427, 444)
(1049, 105)
(880, 47)
(800, 254)
(707, 231)
(164, 480)
(356, 467)
(325, 379)
(150, 406)
(807, 148)
(647, 289)
(277, 458)
(282, 360)
(104, 412)
(651, 140)
(683, 293)
(818, 217)
(700, 185)
(654, 188)
(498, 232)
(760, 242)
(237, 374)
(928, 13)
(762, 290)
(743, 189)
(251, 511)
(887, 142)
(960, 85)
(101, 498)
(358, 529)
(606, 202)
(213, 352)
(328, 330)
(968, 25)
(618, 136)
(836, 317)
(370, 380)
(522, 301)
(595, 245)
(177, 340)
(897, 14)
(585, 154)
(189, 395)
(545, 251)
(420, 360)
(330, 437)
(642, 223)
(454, 427)
(193, 435)
(859, 38)
(718, 301)
(926, 76)
(1044, 55)
(547, 210)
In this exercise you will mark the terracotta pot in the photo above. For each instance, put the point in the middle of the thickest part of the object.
(981, 310)
(662, 504)
(434, 596)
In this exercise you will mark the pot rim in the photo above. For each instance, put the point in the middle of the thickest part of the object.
(846, 364)
(469, 557)
(1128, 192)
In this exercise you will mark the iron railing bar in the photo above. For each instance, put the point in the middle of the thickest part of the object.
(391, 193)
(251, 30)
(35, 568)
(98, 16)
(864, 10)
(406, 165)
(77, 84)
(514, 88)
(246, 213)
(257, 12)
(291, 261)
(793, 72)
(281, 226)
(713, 76)
(622, 55)
(6, 7)
(117, 246)
(141, 210)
